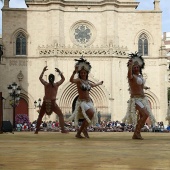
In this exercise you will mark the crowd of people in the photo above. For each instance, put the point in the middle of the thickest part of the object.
(103, 126)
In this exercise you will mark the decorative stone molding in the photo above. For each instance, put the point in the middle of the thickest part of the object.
(20, 76)
(83, 3)
(108, 51)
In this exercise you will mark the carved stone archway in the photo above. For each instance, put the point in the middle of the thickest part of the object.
(97, 95)
(154, 102)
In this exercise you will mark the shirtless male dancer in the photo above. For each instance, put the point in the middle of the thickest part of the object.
(49, 101)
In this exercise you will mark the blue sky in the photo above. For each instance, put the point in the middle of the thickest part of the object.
(144, 5)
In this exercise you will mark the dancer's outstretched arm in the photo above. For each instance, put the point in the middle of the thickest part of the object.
(96, 84)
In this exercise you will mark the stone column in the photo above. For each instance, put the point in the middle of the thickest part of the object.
(6, 3)
(156, 5)
(162, 50)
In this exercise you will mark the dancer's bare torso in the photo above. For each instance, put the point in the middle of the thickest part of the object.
(136, 87)
(50, 91)
(83, 94)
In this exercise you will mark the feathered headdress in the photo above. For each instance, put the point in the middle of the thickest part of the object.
(136, 58)
(83, 64)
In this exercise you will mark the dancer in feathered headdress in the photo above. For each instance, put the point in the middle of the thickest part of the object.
(84, 109)
(137, 59)
(138, 105)
(83, 64)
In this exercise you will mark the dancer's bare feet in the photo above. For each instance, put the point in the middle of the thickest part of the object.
(137, 136)
(64, 131)
(79, 136)
(86, 133)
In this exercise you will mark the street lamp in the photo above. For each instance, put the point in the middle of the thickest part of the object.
(14, 91)
(39, 106)
(39, 103)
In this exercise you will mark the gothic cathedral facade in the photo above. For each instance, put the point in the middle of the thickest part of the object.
(55, 32)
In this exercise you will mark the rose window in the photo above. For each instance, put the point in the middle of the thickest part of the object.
(82, 34)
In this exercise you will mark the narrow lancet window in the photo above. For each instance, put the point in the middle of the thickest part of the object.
(21, 44)
(143, 45)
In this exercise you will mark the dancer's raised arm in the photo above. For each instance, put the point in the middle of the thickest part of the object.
(41, 76)
(62, 76)
(72, 79)
(130, 65)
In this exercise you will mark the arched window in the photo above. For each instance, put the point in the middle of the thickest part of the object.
(143, 45)
(20, 44)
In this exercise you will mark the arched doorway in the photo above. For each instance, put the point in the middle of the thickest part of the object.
(21, 112)
(22, 107)
(69, 96)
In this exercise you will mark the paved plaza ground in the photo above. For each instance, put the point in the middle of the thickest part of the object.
(103, 151)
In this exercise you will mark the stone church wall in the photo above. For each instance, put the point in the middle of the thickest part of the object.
(50, 41)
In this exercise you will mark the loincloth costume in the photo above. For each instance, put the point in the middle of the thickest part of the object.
(48, 106)
(80, 112)
(131, 116)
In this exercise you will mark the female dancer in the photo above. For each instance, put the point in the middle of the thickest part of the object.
(84, 107)
(138, 101)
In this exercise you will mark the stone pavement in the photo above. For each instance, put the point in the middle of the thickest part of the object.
(103, 151)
